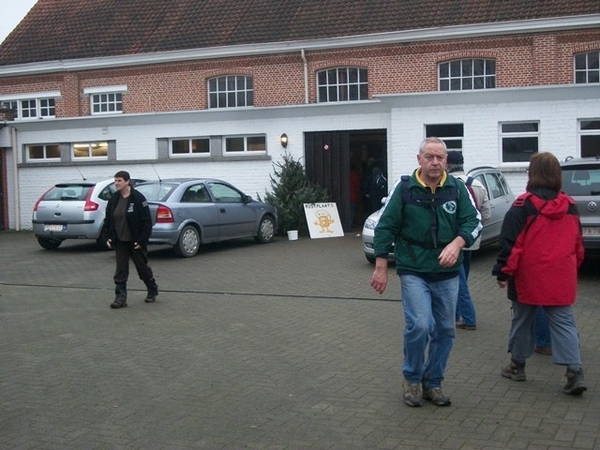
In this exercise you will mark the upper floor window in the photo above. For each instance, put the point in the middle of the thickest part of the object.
(239, 144)
(90, 150)
(342, 84)
(589, 137)
(32, 106)
(230, 91)
(587, 67)
(106, 99)
(466, 74)
(190, 146)
(519, 140)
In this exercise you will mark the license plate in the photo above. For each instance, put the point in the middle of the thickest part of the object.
(55, 228)
(591, 231)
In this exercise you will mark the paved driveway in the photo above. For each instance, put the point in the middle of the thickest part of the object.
(279, 346)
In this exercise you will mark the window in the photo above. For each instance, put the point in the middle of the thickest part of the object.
(451, 134)
(43, 151)
(519, 141)
(32, 107)
(342, 84)
(466, 74)
(241, 144)
(225, 194)
(90, 150)
(106, 99)
(106, 103)
(191, 146)
(589, 137)
(230, 91)
(587, 67)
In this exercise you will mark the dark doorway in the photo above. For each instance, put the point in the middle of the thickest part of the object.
(329, 158)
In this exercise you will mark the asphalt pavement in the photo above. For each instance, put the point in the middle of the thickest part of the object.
(281, 346)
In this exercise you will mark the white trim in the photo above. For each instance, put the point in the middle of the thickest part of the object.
(105, 89)
(30, 96)
(420, 35)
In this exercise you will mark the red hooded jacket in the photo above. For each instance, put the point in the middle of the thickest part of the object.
(542, 249)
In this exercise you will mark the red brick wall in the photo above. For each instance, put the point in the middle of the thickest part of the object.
(521, 60)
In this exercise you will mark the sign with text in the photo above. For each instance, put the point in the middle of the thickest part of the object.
(323, 220)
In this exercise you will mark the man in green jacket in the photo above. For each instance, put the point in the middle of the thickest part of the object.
(430, 218)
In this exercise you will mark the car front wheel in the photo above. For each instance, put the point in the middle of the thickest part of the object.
(266, 230)
(49, 243)
(188, 242)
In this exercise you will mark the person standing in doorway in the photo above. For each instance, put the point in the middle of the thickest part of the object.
(541, 250)
(430, 217)
(466, 317)
(128, 224)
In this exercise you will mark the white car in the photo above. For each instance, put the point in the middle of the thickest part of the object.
(501, 198)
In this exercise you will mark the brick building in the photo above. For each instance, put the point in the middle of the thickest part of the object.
(188, 88)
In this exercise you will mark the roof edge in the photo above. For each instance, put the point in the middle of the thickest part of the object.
(420, 35)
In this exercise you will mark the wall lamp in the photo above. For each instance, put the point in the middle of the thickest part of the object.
(284, 140)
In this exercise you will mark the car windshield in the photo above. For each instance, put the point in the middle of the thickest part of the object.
(581, 180)
(156, 192)
(68, 192)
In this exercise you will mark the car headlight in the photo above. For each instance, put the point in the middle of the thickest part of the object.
(370, 224)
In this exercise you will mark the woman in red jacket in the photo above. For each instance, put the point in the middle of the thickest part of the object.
(541, 250)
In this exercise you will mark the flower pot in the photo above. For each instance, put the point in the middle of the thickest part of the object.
(292, 235)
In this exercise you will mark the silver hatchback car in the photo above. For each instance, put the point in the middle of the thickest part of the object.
(581, 180)
(72, 210)
(501, 198)
(189, 212)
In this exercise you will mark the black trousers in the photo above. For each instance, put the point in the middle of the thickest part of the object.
(125, 251)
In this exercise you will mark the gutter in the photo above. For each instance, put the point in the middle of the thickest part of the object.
(13, 138)
(302, 54)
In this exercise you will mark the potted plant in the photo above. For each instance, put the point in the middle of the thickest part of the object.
(290, 189)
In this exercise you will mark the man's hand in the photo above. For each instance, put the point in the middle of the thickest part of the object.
(501, 284)
(451, 252)
(380, 276)
(136, 246)
(109, 244)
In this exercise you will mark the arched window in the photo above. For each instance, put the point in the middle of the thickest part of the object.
(467, 74)
(230, 91)
(342, 84)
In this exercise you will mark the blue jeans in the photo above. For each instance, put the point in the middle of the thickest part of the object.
(541, 329)
(429, 313)
(465, 309)
(563, 332)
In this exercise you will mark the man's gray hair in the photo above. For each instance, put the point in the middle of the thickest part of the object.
(431, 140)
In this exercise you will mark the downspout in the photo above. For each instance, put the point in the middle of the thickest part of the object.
(13, 138)
(305, 75)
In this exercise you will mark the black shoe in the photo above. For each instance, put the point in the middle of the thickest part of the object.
(150, 298)
(118, 304)
(575, 384)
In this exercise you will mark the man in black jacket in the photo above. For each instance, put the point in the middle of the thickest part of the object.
(128, 225)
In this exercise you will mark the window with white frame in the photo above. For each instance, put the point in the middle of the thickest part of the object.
(190, 146)
(230, 91)
(451, 133)
(106, 99)
(342, 84)
(587, 67)
(520, 141)
(90, 150)
(589, 137)
(467, 74)
(246, 144)
(39, 152)
(32, 106)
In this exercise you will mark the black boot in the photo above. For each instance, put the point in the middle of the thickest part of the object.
(120, 296)
(152, 290)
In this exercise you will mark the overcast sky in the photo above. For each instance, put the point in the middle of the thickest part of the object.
(13, 12)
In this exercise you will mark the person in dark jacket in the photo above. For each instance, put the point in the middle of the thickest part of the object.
(430, 217)
(128, 225)
(541, 250)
